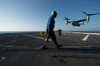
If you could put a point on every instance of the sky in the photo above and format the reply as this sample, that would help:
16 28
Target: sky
33 15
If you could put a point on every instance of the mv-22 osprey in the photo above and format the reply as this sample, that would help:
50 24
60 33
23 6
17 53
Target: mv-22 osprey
76 23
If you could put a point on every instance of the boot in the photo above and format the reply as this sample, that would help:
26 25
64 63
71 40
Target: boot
59 46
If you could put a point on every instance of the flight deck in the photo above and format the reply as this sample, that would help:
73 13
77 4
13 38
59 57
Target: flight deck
17 49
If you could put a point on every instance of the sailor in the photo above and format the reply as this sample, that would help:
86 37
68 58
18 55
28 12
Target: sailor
50 28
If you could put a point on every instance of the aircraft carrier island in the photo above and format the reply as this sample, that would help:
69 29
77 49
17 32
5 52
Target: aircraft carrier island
79 49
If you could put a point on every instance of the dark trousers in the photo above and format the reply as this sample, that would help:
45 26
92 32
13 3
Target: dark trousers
52 35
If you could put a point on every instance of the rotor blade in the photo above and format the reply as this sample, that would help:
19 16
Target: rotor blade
85 13
67 18
96 13
93 14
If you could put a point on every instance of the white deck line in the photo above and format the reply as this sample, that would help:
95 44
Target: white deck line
92 33
85 38
33 36
2 58
36 37
85 33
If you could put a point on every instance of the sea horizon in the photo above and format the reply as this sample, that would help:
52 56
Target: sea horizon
86 31
6 32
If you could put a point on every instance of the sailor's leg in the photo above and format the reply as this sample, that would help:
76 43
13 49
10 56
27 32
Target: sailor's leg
55 41
54 38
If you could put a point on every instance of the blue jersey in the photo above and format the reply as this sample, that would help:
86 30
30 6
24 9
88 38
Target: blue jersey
51 24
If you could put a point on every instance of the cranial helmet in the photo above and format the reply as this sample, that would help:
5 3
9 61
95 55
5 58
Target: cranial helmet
54 13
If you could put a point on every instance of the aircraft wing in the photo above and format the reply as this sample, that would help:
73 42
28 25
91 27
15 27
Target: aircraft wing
81 20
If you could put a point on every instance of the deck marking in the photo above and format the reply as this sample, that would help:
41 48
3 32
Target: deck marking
31 48
91 33
75 56
85 38
76 46
2 58
35 37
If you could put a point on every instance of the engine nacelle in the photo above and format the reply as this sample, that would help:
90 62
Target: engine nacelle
88 18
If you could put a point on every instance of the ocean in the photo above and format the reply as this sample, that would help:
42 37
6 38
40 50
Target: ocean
9 32
86 31
6 32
